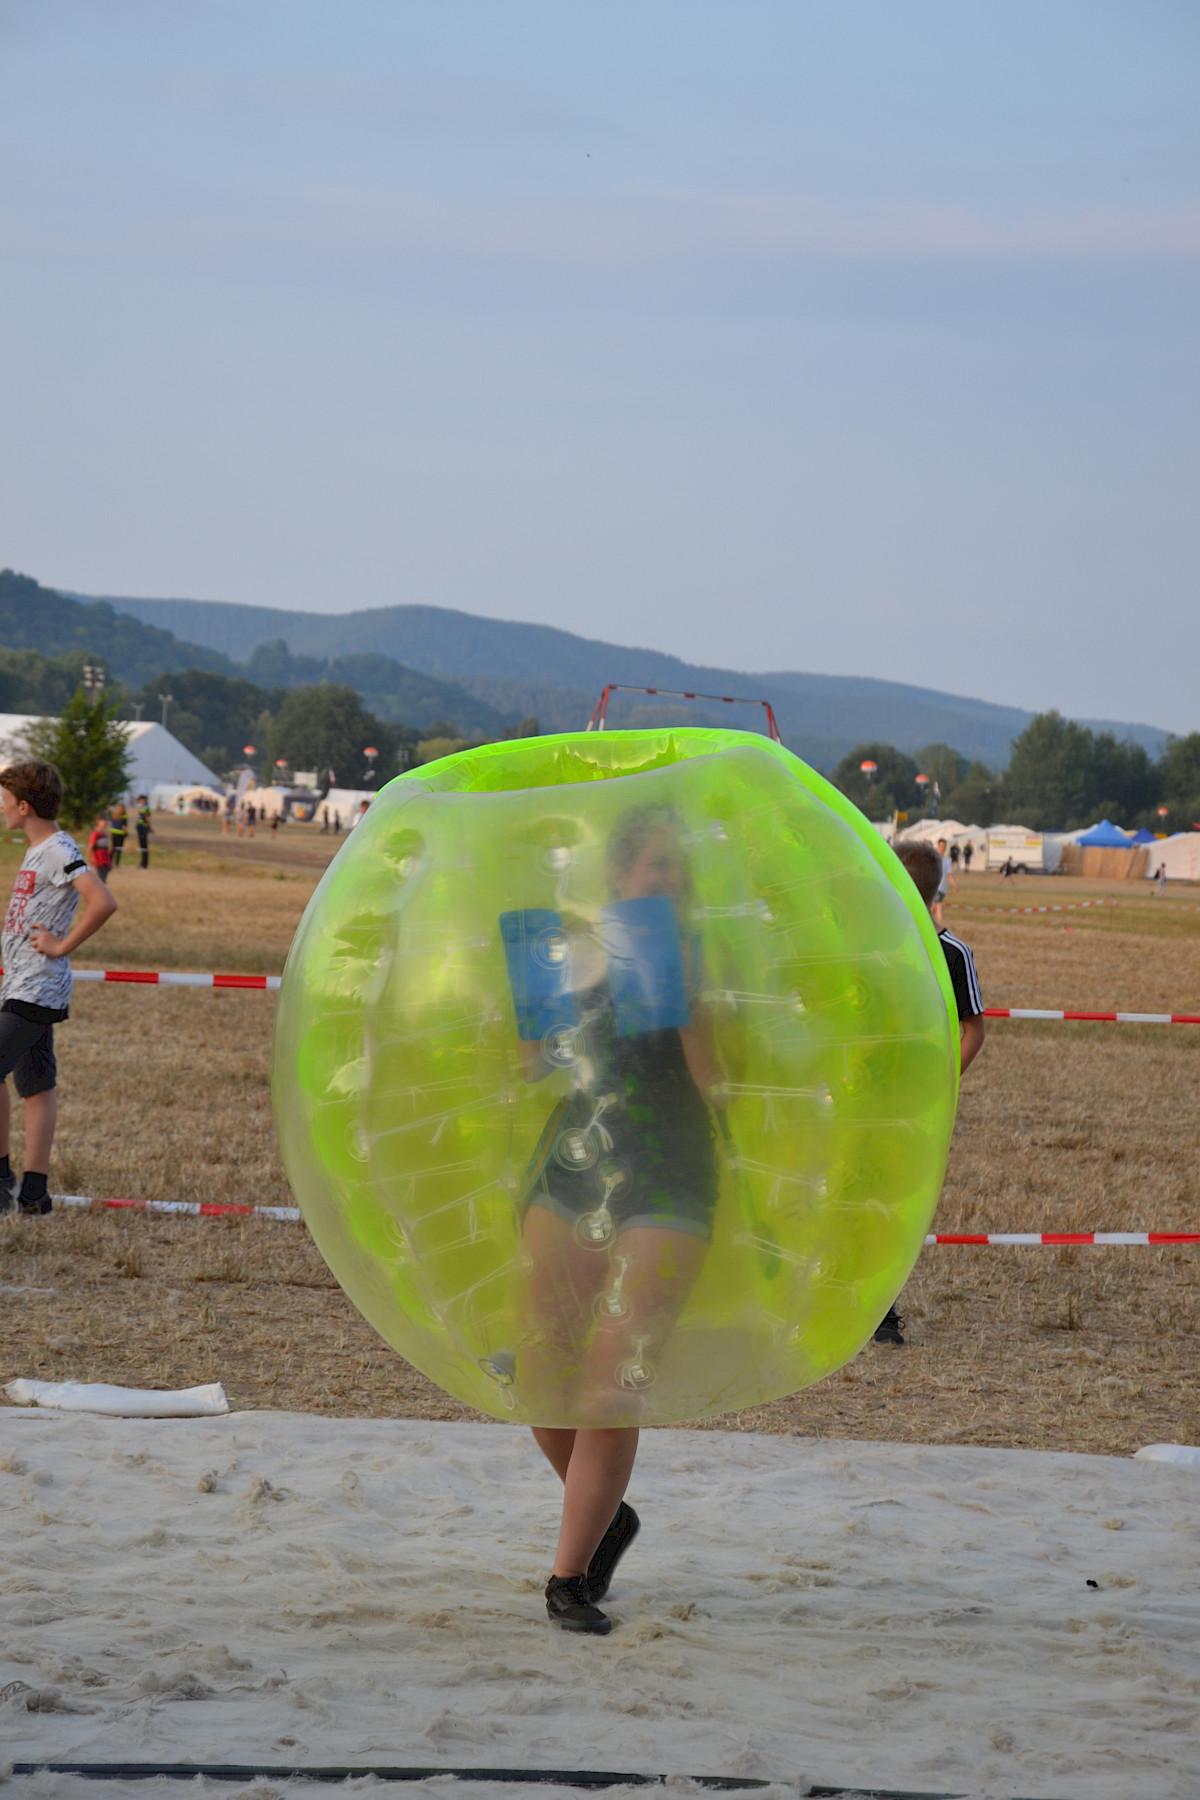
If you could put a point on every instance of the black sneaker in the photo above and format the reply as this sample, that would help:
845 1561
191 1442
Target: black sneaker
890 1328
611 1549
568 1605
37 1207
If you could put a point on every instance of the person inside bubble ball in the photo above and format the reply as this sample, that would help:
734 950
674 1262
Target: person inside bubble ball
620 1201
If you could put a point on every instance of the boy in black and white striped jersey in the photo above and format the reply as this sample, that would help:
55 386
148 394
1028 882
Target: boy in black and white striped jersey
924 865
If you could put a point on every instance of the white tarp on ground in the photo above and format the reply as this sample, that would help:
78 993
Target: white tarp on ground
206 1402
157 759
286 1589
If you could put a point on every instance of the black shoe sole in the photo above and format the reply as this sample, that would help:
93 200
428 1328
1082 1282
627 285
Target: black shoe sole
599 1630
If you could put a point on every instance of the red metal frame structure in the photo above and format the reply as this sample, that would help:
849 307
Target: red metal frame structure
600 711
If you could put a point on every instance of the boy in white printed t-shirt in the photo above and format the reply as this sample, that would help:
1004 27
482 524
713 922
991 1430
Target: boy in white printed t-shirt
40 931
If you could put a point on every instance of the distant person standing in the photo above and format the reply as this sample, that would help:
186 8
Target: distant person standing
324 818
227 815
954 855
100 848
144 828
947 878
251 816
337 822
968 853
1160 880
360 814
118 831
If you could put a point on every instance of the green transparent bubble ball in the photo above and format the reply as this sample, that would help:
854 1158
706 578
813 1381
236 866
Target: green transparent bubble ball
568 1212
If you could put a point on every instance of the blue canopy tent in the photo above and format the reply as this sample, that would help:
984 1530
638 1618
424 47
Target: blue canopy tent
1103 837
1142 837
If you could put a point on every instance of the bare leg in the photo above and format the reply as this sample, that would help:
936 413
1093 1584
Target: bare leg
555 1445
637 1289
594 1467
41 1116
565 1280
597 1476
654 1271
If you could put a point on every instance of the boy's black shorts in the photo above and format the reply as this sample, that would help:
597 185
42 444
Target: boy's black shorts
27 1046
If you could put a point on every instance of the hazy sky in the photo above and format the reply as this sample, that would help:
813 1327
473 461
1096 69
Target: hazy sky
846 335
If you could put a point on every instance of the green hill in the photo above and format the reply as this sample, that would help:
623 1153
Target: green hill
520 668
46 636
33 617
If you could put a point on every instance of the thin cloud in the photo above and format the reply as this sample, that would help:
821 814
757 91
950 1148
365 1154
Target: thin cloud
673 227
76 212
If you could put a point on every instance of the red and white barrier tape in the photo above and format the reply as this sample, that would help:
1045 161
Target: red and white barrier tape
1101 1018
271 982
172 978
175 978
195 1208
1064 1237
291 1214
1071 906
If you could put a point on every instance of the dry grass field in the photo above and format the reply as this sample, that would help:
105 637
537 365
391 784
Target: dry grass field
1085 1127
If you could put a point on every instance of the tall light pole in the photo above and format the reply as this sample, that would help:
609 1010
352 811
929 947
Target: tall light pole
370 753
166 699
93 681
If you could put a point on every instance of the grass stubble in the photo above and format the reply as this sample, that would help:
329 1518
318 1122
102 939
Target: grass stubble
165 1095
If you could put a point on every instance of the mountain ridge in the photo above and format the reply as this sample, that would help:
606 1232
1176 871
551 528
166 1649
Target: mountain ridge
822 716
53 623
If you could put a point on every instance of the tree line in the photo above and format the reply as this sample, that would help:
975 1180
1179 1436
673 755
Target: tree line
1061 776
227 721
325 725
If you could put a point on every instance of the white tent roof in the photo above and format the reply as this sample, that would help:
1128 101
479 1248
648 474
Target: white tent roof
158 757
928 831
347 801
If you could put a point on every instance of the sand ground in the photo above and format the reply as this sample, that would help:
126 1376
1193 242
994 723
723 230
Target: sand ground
279 1588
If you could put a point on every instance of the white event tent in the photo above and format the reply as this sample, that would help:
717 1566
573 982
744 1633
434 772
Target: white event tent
928 831
1180 853
158 758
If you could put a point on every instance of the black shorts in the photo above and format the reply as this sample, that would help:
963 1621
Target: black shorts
27 1046
631 1186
